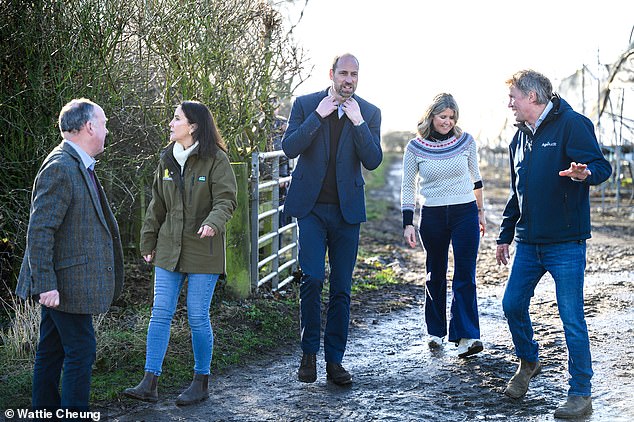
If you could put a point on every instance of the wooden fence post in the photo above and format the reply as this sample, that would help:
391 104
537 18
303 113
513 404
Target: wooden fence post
238 238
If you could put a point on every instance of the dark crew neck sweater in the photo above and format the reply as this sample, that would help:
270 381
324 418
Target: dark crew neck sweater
329 193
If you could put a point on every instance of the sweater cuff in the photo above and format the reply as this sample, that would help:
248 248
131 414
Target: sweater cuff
408 218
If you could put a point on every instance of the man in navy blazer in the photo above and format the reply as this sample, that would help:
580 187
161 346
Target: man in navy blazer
333 132
73 262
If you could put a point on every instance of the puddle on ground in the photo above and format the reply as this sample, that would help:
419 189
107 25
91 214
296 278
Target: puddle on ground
398 378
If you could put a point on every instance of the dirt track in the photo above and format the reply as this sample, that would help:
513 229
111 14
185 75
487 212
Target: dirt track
397 377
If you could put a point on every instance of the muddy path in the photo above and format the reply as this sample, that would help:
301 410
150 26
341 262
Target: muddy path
398 378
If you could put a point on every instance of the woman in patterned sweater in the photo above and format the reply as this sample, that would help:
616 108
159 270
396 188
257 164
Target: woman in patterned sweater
443 161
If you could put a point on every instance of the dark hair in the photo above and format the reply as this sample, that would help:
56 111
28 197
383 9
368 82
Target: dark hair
75 114
206 131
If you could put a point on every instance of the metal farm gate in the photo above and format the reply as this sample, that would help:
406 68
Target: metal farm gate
273 238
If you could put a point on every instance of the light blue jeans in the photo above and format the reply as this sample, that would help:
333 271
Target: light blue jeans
566 262
167 287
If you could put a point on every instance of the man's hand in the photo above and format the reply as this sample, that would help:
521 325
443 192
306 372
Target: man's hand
352 110
502 254
206 231
50 299
577 171
327 106
410 235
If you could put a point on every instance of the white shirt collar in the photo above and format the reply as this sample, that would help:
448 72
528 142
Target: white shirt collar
340 111
86 159
539 121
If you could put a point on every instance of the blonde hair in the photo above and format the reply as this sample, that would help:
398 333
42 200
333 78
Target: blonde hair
440 103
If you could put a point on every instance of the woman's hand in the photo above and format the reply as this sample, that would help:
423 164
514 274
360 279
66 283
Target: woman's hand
149 258
206 231
410 235
483 222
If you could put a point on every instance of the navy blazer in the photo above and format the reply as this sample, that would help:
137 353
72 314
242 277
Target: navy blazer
308 136
72 242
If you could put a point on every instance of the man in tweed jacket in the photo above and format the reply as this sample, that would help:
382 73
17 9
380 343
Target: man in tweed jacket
73 262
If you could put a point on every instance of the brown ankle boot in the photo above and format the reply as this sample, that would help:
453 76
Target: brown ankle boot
308 368
196 392
147 390
518 384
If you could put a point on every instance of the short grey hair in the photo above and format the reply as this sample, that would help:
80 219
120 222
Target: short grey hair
529 80
75 114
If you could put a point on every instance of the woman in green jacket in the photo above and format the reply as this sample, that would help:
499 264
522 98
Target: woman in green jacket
193 197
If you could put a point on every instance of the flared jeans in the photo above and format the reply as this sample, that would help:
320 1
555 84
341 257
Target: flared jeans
440 226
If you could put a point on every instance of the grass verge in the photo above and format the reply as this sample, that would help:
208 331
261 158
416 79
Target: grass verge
242 331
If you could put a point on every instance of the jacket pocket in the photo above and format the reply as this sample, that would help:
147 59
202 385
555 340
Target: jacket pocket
567 212
70 261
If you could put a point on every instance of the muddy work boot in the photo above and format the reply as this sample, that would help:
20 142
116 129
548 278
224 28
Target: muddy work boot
574 407
147 390
308 368
518 384
196 392
338 374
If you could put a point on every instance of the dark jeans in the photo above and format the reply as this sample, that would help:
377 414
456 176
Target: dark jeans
458 225
67 341
325 229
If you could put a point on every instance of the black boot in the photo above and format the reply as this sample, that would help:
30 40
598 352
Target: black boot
308 368
147 390
196 392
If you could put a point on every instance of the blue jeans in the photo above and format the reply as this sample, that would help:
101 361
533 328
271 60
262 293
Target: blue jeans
66 341
167 287
439 226
566 262
324 228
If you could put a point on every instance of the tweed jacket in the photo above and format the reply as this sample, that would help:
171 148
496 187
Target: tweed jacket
308 136
72 242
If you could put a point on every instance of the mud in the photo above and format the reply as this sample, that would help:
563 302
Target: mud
398 378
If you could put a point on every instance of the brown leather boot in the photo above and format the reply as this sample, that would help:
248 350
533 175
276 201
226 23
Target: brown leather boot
336 373
518 384
147 390
308 368
196 392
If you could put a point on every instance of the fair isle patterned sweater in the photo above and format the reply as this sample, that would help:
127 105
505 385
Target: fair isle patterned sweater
447 170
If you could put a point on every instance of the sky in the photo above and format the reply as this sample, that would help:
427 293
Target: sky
411 50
